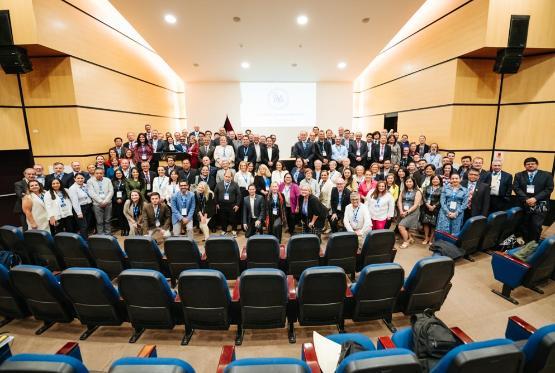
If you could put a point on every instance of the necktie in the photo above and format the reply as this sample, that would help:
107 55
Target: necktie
470 193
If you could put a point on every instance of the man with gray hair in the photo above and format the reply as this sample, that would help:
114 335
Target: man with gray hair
101 191
501 184
339 200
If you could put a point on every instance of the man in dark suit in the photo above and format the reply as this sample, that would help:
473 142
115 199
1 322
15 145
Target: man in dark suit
478 195
322 149
147 175
533 189
228 199
358 151
422 147
206 149
171 165
245 152
339 199
188 173
156 218
158 145
57 174
270 154
212 170
304 149
413 171
477 164
254 212
131 143
69 178
381 151
501 184
119 148
20 188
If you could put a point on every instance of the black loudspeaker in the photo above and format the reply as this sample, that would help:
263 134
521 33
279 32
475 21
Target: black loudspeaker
6 37
14 60
509 59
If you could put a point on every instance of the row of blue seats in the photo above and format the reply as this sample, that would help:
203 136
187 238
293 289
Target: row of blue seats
262 298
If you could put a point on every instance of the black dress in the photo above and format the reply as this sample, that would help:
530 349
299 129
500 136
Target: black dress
431 197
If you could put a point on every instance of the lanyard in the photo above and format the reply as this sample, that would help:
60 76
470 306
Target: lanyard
355 214
100 190
246 151
41 196
160 183
157 213
62 200
246 178
183 200
135 211
275 200
226 187
531 177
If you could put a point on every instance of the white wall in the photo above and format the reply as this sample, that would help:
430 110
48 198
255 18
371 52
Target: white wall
209 102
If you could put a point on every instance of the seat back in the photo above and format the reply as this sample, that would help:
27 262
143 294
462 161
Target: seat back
514 219
303 251
274 365
42 293
205 299
378 247
496 355
11 238
143 253
42 249
321 295
428 284
94 298
376 290
495 225
150 365
182 253
263 298
539 350
108 254
471 234
11 304
262 251
74 249
341 251
148 298
394 360
222 254
542 262
26 363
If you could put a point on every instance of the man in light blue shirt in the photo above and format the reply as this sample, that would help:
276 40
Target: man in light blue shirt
183 208
101 191
433 157
339 151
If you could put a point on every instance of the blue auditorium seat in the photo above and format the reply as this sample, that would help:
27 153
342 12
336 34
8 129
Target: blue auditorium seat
43 363
278 365
395 360
12 305
150 365
108 254
469 238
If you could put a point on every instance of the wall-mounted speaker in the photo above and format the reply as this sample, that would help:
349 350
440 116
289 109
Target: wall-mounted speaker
508 60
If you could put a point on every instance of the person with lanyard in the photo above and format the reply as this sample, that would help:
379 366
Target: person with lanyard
275 214
20 188
326 186
39 172
147 176
183 210
322 149
172 188
118 200
381 151
478 195
187 173
224 152
223 170
290 192
160 183
409 210
245 152
279 173
133 211
357 218
254 212
156 218
453 202
205 207
298 171
317 170
433 157
310 182
270 153
430 208
82 204
339 151
101 192
359 175
429 172
334 174
243 178
533 189
312 213
381 206
59 208
367 185
501 184
135 182
206 177
228 200
143 151
34 207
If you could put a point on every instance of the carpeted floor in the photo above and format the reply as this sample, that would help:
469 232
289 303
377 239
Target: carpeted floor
470 305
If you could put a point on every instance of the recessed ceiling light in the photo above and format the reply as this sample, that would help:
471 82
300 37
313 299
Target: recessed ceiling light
365 20
300 45
294 65
302 19
342 65
236 19
241 45
245 65
170 18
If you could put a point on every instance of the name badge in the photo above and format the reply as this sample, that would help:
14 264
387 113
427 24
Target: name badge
530 189
226 196
274 211
101 193
144 157
119 194
245 158
339 207
184 211
406 207
453 205
358 153
63 205
157 223
148 187
324 153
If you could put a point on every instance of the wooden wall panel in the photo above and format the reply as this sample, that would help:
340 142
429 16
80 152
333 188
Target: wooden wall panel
22 17
475 82
368 124
50 83
530 127
434 123
535 81
472 127
9 91
47 162
12 129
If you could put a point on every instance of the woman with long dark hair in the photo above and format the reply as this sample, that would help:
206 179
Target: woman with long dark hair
430 208
34 207
409 210
133 211
59 208
118 201
143 150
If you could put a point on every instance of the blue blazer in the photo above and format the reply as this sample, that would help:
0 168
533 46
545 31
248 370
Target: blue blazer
180 201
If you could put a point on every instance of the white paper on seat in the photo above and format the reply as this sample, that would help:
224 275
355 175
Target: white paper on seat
327 352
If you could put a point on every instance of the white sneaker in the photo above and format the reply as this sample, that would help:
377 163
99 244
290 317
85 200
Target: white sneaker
234 234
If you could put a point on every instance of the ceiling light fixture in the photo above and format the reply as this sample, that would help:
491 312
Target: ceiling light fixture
365 20
196 65
302 20
294 65
245 65
170 18
236 19
342 65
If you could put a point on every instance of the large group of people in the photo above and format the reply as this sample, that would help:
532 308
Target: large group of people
238 181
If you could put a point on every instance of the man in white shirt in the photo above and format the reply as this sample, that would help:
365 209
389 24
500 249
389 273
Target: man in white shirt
339 151
257 148
357 218
101 191
224 152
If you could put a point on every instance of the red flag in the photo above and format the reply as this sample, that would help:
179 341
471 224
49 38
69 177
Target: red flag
227 125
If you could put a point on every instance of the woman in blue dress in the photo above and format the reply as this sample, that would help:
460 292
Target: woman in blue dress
454 199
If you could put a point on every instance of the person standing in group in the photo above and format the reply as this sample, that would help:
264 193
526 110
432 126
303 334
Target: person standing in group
357 217
254 212
453 202
340 198
312 213
291 194
34 207
262 180
279 173
430 208
173 186
381 206
58 207
143 151
21 188
101 192
478 195
276 215
409 210
228 200
156 218
205 207
183 210
82 204
501 185
367 185
160 183
118 201
133 211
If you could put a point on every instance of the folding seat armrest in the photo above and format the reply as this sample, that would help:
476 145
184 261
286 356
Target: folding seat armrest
518 329
244 253
385 343
203 257
282 252
444 236
71 349
508 270
291 287
322 252
235 296
348 292
226 357
309 356
148 351
461 336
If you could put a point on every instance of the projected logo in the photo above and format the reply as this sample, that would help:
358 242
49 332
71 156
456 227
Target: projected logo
278 99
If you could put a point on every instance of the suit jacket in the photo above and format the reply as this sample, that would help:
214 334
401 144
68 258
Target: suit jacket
353 151
149 220
264 155
121 153
376 153
482 178
249 151
543 186
205 206
345 200
259 209
300 175
126 145
480 198
314 207
505 185
202 152
49 178
233 191
299 150
425 149
211 181
319 148
161 146
260 183
20 188
188 176
69 179
176 168
152 175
